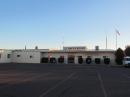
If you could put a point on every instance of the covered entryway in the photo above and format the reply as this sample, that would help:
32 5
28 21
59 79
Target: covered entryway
71 59
80 59
44 60
61 59
97 60
88 60
52 60
106 60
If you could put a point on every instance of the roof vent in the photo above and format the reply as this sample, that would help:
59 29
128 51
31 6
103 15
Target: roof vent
96 47
36 47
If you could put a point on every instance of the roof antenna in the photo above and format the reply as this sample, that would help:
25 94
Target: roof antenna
62 40
25 47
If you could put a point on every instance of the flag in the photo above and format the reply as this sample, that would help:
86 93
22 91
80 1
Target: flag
117 32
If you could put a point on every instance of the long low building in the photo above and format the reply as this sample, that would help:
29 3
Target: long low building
77 55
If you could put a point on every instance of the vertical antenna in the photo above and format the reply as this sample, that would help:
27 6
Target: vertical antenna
106 41
116 41
25 47
62 40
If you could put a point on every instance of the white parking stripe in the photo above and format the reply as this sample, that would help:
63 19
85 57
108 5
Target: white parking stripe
55 86
102 85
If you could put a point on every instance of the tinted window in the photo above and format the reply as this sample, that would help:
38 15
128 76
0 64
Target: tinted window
128 59
9 55
31 57
18 55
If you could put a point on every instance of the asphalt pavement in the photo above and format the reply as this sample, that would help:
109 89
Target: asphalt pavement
63 80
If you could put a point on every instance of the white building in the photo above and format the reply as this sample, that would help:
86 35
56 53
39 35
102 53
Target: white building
67 55
75 48
5 56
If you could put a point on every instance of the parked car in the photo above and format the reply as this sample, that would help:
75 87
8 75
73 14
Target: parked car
126 61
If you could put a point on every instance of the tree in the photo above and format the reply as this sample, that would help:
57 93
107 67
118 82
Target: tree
127 51
119 54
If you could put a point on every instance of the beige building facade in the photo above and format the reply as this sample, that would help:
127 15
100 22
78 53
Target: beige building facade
74 55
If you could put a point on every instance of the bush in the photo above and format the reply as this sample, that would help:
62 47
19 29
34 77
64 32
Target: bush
127 51
119 54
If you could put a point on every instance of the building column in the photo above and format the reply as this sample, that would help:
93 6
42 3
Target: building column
76 60
66 59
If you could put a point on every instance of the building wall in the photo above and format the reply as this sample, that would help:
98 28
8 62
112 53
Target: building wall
56 55
26 57
4 56
34 56
93 55
76 48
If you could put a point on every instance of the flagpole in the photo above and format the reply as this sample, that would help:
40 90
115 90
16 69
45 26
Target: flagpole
116 40
106 41
117 33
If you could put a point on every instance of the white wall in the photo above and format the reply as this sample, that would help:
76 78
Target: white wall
56 55
4 56
96 55
25 57
84 56
37 55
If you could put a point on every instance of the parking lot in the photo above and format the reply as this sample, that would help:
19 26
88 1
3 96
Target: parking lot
68 80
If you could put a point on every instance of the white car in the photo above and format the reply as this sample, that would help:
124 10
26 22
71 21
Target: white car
126 61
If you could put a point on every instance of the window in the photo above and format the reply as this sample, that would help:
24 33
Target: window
128 59
31 57
18 55
9 55
104 57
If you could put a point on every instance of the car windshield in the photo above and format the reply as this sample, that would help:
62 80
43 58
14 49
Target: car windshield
127 59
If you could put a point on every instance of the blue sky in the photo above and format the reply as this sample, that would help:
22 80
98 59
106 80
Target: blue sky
47 23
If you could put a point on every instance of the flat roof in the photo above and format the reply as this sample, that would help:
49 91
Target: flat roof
65 51
80 51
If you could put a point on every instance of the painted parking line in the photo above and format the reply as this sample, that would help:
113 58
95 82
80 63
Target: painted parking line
102 85
57 85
